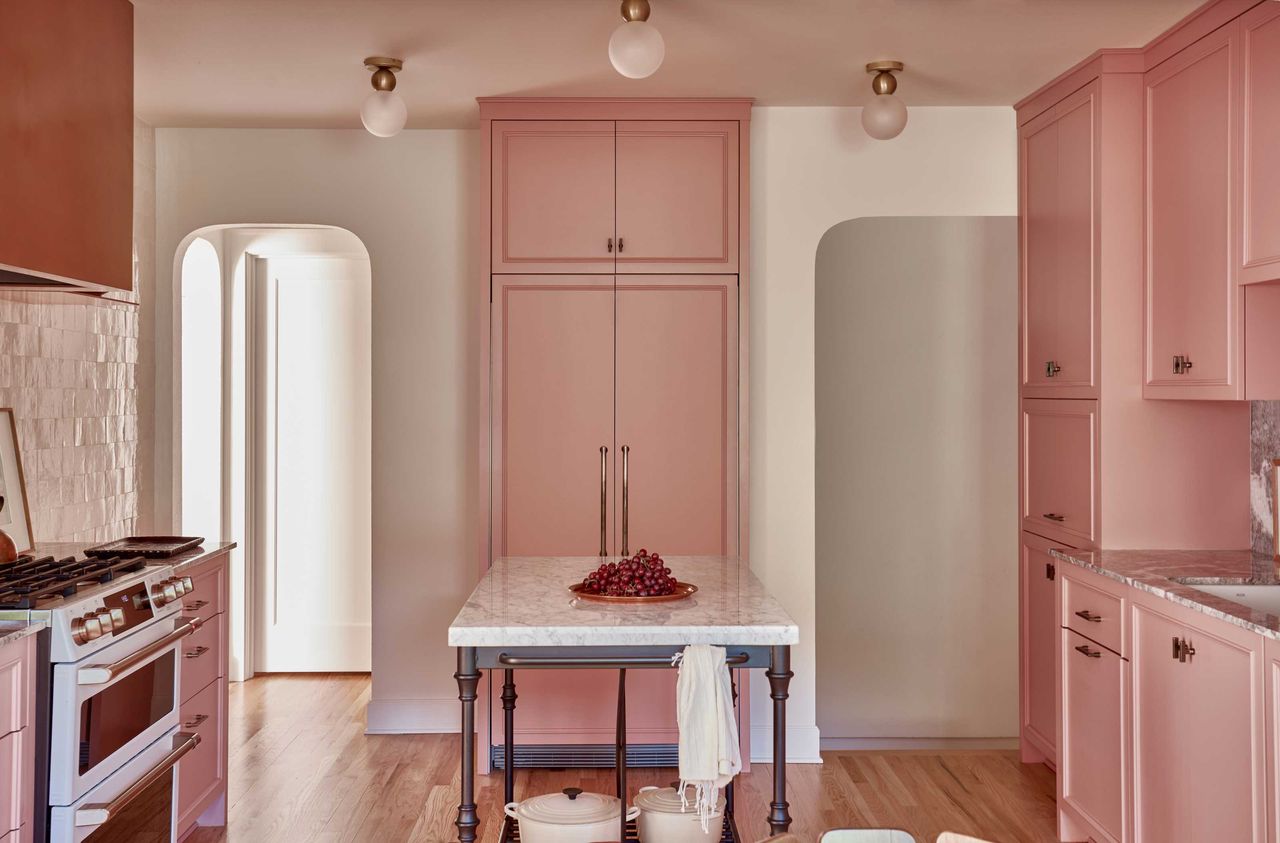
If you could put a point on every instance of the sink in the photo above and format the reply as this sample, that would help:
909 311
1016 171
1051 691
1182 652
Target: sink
1263 598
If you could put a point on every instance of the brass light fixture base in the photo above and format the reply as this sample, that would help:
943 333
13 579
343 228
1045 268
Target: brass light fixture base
884 82
634 10
384 71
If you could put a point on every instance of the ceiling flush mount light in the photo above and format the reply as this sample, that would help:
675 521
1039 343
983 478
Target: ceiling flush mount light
885 116
636 47
384 112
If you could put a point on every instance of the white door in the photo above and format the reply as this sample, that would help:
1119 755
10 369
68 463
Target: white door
313 437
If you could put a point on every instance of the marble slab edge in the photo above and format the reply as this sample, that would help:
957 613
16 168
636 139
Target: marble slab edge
1163 585
621 636
183 561
11 631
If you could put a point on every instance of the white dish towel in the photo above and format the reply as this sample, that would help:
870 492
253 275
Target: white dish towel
709 754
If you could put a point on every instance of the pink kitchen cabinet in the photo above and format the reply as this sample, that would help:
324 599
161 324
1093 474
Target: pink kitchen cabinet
1271 694
1038 641
677 196
1259 172
1059 469
1060 259
1199 754
17 735
1093 750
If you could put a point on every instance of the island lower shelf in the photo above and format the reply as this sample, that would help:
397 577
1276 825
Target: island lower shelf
728 834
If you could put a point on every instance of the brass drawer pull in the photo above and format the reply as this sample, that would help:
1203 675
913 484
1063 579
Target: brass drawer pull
195 722
1093 654
1053 516
1089 616
195 606
196 653
1051 368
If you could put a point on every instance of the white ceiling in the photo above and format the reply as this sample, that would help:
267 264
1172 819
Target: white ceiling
284 63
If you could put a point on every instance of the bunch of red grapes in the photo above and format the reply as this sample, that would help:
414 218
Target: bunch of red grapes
640 576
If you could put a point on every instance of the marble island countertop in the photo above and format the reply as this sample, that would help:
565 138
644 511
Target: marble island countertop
1174 575
526 602
11 631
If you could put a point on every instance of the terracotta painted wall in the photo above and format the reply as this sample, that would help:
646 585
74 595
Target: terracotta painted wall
69 367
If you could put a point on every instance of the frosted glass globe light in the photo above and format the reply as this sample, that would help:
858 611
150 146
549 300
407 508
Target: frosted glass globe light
884 117
636 49
384 113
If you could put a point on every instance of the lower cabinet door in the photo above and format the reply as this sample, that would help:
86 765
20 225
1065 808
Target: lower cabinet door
202 773
1198 736
1091 751
1039 628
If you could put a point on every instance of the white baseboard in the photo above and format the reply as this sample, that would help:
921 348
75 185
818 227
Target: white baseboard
888 744
413 717
803 745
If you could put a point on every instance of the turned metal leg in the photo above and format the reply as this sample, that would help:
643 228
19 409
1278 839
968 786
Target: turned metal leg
779 676
509 735
468 677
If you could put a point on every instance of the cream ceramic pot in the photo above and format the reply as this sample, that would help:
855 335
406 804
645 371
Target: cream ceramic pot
664 820
570 816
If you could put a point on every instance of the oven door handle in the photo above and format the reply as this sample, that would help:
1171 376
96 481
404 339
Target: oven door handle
100 813
101 674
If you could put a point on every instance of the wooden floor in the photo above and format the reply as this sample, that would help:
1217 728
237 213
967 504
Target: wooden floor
302 769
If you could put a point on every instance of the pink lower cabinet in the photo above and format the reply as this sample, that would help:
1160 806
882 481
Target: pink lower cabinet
202 774
1199 765
1037 637
17 738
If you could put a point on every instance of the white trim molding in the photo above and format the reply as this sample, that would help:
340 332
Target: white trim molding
803 744
886 744
440 716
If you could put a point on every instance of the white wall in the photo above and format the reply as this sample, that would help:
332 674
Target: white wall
917 481
812 168
408 199
412 201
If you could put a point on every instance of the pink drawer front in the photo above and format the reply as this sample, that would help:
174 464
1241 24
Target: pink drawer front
203 657
201 775
15 684
1091 775
1059 470
210 594
1094 608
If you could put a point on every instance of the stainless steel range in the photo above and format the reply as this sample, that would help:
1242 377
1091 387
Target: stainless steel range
109 692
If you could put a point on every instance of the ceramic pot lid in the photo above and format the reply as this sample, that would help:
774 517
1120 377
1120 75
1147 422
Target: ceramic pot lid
570 807
666 800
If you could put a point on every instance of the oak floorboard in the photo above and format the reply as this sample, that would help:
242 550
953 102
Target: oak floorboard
301 768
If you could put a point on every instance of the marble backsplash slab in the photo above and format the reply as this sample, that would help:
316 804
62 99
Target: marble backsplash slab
1264 447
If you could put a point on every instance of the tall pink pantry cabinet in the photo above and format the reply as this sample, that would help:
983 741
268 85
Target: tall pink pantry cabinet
614 396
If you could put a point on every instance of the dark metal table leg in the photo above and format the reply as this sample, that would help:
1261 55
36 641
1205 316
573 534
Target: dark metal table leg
620 748
509 735
728 789
779 675
468 677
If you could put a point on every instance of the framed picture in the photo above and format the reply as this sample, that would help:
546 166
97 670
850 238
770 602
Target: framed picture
15 518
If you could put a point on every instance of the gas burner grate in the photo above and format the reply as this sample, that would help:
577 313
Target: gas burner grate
33 580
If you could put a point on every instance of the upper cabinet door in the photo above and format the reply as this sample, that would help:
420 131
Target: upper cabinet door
1060 267
1191 301
677 197
1260 166
66 141
553 196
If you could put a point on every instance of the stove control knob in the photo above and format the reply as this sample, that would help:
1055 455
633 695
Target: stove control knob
188 584
117 618
179 586
170 593
158 597
86 629
104 620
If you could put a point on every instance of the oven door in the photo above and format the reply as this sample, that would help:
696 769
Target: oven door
111 705
134 804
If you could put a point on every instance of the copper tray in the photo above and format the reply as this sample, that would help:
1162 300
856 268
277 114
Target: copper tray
682 590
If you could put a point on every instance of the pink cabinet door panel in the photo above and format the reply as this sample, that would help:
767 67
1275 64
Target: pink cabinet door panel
1037 647
201 773
553 196
1190 288
553 371
1271 651
1198 727
1059 469
1262 342
677 412
1092 755
677 197
1060 272
16 661
1260 166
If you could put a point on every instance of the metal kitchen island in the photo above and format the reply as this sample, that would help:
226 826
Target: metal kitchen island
522 616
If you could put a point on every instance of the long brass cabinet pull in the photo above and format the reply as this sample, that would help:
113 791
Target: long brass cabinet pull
101 813
604 499
626 451
610 246
620 245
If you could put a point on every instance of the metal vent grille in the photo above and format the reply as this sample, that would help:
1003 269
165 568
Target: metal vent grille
541 756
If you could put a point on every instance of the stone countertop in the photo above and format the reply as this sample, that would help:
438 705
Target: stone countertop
11 631
1173 575
180 562
526 602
